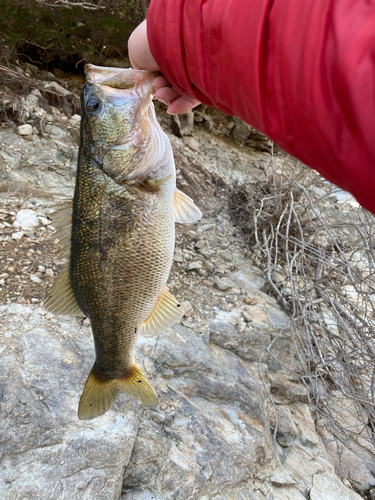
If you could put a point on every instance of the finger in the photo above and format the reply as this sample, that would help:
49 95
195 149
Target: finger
167 94
161 81
139 50
182 105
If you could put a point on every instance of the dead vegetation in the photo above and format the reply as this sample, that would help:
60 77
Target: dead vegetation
318 257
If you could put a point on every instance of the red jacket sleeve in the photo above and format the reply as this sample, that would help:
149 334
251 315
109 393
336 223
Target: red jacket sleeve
300 71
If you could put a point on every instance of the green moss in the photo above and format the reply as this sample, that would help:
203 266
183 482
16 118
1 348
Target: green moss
61 33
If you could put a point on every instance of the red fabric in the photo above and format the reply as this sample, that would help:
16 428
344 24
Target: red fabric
301 71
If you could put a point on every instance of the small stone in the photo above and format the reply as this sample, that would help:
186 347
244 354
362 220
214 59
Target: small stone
86 322
26 219
233 320
49 273
26 129
188 310
35 279
18 235
21 300
279 277
247 316
41 269
178 258
250 301
241 325
35 301
222 284
241 130
227 307
191 143
4 276
197 264
200 244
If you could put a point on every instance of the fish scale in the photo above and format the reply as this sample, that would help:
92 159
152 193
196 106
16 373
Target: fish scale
122 231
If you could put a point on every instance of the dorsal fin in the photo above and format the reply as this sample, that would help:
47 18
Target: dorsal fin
60 299
185 209
166 313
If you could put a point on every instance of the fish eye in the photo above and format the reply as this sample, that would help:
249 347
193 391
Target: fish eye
93 105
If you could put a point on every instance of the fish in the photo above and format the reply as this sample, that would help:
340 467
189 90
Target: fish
119 233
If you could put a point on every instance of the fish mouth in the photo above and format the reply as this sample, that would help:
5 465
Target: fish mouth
119 78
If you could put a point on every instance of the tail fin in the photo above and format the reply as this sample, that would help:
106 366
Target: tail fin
98 394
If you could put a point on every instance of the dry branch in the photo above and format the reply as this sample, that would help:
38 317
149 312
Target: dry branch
318 257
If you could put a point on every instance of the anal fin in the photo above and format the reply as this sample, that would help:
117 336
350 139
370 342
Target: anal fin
60 299
100 393
185 210
166 313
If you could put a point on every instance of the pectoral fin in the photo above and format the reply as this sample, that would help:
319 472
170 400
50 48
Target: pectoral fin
185 210
99 393
154 185
60 299
166 313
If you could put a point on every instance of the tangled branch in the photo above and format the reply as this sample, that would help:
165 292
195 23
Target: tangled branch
318 258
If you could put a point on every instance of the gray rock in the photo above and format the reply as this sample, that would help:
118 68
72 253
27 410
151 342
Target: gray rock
46 452
248 345
42 166
222 283
56 133
196 264
289 390
241 130
210 407
327 486
349 459
34 98
249 278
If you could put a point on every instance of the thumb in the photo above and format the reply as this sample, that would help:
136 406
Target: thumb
139 50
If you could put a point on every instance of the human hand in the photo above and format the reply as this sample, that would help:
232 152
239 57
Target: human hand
141 58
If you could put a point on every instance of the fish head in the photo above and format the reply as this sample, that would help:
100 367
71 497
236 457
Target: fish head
117 118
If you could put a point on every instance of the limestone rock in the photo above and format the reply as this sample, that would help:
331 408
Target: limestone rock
327 486
248 345
191 143
46 452
25 129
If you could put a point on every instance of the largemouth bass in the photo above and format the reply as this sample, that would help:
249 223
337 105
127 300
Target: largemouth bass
121 227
